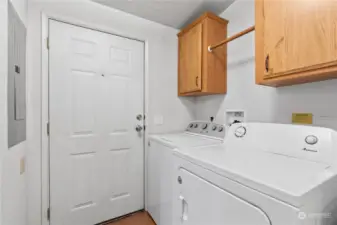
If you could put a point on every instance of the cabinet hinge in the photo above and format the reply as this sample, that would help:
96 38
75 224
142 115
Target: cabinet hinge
48 128
48 214
47 41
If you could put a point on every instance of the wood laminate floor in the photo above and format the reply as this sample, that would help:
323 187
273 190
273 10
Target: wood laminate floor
139 218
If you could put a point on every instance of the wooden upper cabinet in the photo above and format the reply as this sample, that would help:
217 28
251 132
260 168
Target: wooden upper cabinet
201 72
190 54
296 41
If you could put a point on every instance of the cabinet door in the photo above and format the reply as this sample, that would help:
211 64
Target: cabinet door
299 35
190 60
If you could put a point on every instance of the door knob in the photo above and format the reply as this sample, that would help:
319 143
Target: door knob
139 128
139 117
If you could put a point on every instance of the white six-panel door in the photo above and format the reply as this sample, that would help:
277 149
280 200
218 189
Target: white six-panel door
96 155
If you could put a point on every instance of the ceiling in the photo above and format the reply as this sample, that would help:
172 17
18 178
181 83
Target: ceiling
173 13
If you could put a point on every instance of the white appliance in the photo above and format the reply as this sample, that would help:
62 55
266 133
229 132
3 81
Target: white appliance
263 174
160 164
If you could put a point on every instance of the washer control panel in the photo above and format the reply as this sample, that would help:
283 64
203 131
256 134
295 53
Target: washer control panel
207 128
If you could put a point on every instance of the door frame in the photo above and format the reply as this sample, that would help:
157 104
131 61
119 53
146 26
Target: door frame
45 148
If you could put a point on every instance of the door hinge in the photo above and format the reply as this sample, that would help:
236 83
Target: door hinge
48 214
47 41
48 128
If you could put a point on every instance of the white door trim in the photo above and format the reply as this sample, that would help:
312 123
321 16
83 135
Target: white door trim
45 169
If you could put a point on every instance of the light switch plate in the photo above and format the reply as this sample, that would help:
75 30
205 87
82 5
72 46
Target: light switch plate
22 165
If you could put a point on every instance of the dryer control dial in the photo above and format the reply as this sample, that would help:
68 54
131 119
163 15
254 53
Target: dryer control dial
240 132
214 127
204 126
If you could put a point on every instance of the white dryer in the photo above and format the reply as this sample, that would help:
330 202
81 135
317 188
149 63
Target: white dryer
263 174
160 164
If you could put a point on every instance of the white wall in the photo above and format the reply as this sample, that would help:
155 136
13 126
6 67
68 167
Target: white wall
261 103
318 98
3 91
242 93
13 200
161 51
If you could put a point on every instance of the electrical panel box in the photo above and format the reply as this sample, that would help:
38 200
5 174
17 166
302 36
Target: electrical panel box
16 78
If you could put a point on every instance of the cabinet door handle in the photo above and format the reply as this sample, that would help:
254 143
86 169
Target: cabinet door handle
197 81
267 63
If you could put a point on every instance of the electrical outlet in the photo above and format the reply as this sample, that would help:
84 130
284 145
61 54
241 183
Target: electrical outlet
235 116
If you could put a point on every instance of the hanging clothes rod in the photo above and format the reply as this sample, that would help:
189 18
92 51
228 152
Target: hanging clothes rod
212 47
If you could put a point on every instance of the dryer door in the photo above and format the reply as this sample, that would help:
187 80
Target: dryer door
202 203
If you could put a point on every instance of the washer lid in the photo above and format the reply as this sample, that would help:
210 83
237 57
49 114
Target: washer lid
290 175
186 140
282 177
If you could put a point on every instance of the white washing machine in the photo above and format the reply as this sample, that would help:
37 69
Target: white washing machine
160 164
263 174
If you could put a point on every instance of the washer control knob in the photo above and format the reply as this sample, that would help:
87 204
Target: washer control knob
191 125
220 129
214 127
240 132
196 125
204 126
311 140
